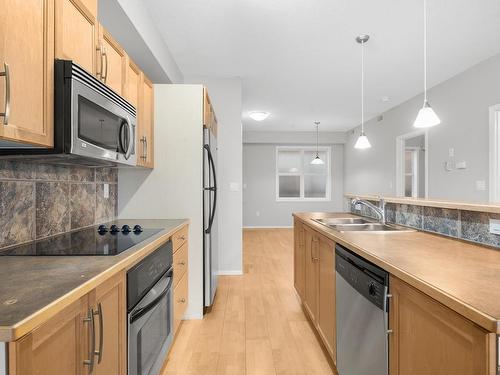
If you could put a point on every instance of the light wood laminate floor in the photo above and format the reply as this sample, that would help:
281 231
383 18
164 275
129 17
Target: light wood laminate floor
256 326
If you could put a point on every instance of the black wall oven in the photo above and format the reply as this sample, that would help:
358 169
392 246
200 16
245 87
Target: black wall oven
150 312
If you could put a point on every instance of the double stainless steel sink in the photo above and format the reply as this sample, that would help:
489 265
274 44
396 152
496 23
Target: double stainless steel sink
355 224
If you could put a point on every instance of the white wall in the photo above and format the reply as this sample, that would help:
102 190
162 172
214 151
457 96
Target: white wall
225 94
462 104
132 26
173 189
259 195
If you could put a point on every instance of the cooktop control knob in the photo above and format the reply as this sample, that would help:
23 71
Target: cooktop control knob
372 289
114 229
137 229
102 229
126 229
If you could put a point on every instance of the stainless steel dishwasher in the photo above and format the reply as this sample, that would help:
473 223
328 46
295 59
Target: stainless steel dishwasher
362 315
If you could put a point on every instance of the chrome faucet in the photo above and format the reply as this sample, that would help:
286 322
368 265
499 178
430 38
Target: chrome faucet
380 210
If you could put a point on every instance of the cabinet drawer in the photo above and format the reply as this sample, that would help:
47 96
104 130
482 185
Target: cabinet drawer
180 300
180 263
180 237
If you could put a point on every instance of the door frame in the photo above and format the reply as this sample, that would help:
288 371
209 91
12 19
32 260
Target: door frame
494 132
400 152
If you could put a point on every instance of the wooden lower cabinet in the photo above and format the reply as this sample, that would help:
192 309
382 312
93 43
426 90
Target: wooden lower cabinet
311 273
63 345
318 262
108 302
429 338
326 295
180 300
57 347
181 274
299 275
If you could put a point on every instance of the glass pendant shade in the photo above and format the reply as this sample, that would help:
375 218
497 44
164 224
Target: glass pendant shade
362 142
317 161
426 117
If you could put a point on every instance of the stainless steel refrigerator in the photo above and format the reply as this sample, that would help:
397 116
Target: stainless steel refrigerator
210 228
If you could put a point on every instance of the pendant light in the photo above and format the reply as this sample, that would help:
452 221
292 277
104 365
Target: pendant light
317 160
362 142
426 116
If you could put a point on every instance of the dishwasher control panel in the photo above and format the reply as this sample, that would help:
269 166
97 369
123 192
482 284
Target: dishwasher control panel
369 280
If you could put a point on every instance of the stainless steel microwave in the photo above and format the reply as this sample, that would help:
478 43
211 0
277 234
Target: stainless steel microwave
93 125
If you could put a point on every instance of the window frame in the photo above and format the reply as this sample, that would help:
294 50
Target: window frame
301 174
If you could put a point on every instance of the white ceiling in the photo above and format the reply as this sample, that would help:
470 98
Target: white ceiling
298 59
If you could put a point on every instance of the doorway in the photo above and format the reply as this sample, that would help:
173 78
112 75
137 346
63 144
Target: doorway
412 165
494 153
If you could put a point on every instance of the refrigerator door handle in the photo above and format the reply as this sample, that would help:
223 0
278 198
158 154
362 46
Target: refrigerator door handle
213 188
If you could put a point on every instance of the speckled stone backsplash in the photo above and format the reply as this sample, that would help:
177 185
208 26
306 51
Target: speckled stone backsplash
38 200
465 225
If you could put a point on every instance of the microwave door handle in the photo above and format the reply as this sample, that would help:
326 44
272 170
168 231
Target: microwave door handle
130 146
143 310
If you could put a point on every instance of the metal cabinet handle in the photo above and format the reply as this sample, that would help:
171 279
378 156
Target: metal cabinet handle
145 148
182 263
90 362
99 51
142 143
105 55
6 74
98 353
389 332
182 238
181 300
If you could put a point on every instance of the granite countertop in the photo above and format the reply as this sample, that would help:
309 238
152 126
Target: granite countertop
33 286
461 275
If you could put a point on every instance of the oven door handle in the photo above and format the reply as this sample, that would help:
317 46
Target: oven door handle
143 310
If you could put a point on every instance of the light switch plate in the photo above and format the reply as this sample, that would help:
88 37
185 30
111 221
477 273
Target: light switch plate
106 191
495 226
481 185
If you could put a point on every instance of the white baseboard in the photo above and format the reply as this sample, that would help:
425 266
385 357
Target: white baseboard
230 272
269 227
196 316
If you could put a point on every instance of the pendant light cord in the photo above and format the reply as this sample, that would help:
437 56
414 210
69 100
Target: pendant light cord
425 51
362 87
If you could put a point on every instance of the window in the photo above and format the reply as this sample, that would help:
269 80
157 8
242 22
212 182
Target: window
299 180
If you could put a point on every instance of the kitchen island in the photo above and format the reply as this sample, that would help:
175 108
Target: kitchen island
444 292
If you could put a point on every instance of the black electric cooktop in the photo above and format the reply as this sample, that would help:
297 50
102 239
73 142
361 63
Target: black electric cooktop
102 240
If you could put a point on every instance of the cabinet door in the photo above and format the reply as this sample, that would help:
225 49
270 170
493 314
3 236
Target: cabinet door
109 306
76 32
180 300
326 312
429 338
27 48
112 62
145 125
311 272
299 275
132 83
59 346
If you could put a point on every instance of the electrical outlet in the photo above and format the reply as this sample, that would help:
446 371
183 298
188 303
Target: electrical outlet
481 185
451 152
495 226
461 165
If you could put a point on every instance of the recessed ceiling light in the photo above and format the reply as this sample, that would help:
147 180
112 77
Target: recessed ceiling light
259 115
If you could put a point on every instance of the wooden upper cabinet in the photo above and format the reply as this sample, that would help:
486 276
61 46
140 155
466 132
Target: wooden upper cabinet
299 275
108 302
76 33
59 346
132 82
326 294
111 61
27 50
209 117
145 124
311 273
429 338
